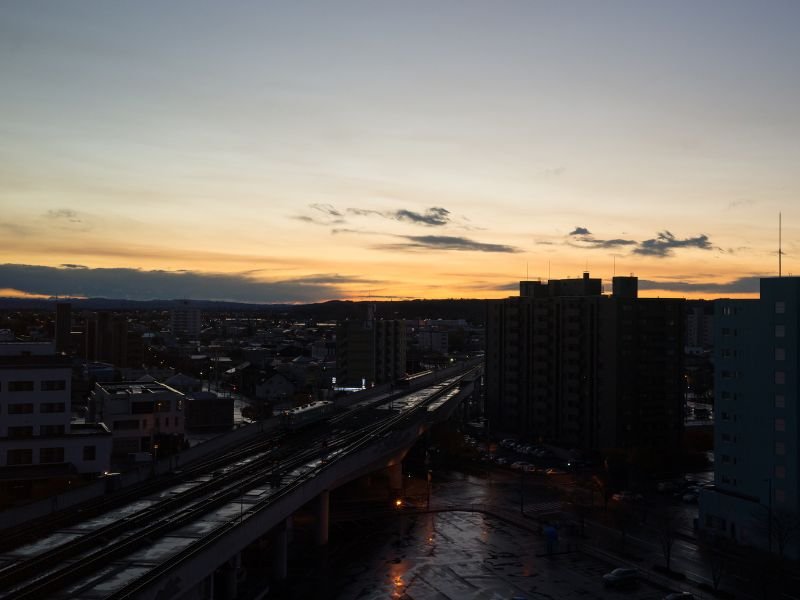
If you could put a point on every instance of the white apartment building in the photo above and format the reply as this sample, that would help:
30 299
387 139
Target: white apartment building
37 438
755 499
142 416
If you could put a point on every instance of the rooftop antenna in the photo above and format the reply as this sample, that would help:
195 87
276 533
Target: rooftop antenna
780 252
548 270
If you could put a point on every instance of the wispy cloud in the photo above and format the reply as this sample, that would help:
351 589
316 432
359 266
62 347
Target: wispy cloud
661 246
327 214
434 216
665 242
446 242
64 214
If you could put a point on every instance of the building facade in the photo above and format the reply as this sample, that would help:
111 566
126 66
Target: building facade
38 441
142 416
755 498
370 352
185 320
568 365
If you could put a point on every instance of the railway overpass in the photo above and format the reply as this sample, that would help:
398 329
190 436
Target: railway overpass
176 549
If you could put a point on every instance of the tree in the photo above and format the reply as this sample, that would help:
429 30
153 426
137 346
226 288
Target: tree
785 528
666 524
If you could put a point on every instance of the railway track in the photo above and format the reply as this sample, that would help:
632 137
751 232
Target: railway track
282 461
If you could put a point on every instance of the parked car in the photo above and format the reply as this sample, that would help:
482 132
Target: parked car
621 577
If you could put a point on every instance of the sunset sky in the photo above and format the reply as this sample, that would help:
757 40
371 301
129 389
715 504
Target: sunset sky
301 151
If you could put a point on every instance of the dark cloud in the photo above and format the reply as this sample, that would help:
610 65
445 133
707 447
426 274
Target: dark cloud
660 246
665 242
742 285
66 214
435 216
135 284
73 266
366 212
447 242
326 209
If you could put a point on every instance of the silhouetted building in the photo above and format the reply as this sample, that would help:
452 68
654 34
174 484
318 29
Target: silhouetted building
108 340
370 352
63 332
185 321
568 365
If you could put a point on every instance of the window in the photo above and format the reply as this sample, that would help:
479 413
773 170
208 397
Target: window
780 377
780 401
780 354
780 307
780 331
780 448
20 409
52 407
20 456
20 432
780 472
780 496
780 424
51 455
54 385
89 453
20 386
51 430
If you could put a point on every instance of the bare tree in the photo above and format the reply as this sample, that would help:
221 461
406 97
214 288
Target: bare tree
666 523
784 528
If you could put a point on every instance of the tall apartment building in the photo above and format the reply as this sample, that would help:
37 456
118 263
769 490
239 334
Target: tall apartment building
39 444
185 320
63 329
568 365
756 431
370 352
108 340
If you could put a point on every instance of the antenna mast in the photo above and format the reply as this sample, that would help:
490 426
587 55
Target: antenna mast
780 251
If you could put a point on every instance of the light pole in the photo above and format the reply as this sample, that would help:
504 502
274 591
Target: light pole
769 514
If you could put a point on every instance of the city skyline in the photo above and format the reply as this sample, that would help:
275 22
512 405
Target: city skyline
309 152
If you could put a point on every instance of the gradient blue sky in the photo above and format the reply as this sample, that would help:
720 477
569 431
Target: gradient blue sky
311 150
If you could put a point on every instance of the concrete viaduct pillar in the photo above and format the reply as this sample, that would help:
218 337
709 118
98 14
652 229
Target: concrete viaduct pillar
323 517
396 478
279 551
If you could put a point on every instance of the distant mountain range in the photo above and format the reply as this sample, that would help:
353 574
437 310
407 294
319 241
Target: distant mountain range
472 310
